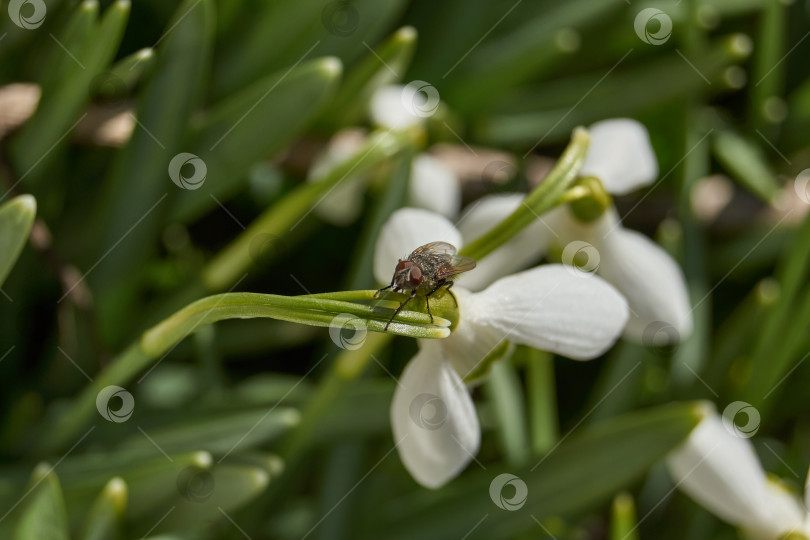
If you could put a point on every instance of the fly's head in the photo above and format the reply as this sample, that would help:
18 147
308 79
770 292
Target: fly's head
407 276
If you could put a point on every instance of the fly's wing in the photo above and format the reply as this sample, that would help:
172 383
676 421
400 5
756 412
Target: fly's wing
435 249
456 265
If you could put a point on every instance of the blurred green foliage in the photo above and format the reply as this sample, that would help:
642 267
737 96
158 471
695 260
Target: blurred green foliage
260 428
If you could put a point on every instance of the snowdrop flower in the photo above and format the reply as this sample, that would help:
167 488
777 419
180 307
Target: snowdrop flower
621 157
432 415
719 469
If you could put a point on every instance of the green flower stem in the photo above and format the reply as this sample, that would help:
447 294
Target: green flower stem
623 523
505 395
233 261
542 199
542 390
156 342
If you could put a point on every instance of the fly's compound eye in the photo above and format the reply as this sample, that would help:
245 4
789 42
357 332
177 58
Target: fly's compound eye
415 276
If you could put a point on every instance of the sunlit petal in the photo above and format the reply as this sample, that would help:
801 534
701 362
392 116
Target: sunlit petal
620 155
433 419
551 308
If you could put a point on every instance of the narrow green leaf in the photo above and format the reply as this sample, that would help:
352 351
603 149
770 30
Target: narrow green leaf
505 394
255 124
588 467
128 72
285 32
63 101
542 398
545 113
385 65
16 219
768 73
106 517
219 433
207 497
139 176
772 356
746 163
43 515
520 54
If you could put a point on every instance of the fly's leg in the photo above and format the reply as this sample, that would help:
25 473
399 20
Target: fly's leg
402 305
436 288
376 294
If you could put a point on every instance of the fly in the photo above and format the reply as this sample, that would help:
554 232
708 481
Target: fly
425 271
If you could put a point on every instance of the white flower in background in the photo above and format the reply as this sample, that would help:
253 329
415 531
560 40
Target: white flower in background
721 472
432 184
432 415
621 156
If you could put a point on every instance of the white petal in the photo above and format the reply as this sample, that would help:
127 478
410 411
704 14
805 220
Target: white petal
470 344
344 202
433 419
434 186
388 110
787 512
648 277
551 308
406 230
620 155
518 253
721 472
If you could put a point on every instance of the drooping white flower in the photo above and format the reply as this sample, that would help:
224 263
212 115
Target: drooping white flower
719 469
647 276
546 307
621 156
